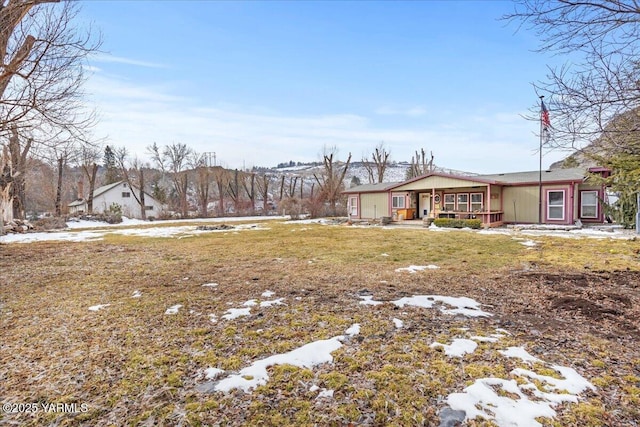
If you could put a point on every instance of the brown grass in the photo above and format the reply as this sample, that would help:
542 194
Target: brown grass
572 302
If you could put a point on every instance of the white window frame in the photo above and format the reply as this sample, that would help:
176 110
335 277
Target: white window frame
398 201
479 208
556 206
465 204
449 203
583 205
353 205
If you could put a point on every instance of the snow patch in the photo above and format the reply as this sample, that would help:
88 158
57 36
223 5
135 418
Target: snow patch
458 348
98 307
415 268
173 309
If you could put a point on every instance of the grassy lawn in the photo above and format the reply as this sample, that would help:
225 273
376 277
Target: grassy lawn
571 302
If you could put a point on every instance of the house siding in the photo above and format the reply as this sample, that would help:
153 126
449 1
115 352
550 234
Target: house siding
374 205
520 204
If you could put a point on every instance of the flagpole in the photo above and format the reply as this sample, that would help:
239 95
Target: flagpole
540 165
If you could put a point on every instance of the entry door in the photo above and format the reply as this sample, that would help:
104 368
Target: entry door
424 205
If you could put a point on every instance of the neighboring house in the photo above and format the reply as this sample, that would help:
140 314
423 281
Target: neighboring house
495 199
119 193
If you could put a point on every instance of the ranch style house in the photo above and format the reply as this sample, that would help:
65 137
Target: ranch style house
496 199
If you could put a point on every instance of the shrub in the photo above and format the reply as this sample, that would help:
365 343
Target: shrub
457 223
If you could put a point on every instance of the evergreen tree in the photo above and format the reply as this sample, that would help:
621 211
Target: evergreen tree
113 173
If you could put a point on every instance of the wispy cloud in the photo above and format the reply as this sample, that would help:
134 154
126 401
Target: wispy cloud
104 57
137 115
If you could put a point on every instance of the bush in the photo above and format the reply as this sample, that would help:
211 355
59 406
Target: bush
457 223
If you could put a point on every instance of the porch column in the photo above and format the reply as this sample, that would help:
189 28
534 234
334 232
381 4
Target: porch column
487 206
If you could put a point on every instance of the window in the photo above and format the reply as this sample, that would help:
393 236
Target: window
463 202
589 204
397 202
126 194
148 208
449 202
476 202
555 205
353 206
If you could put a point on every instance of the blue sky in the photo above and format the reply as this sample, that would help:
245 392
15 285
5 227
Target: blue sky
264 82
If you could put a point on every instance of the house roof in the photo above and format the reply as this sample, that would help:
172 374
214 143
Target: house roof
372 188
100 190
513 178
571 174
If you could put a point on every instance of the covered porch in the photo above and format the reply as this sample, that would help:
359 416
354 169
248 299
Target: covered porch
444 196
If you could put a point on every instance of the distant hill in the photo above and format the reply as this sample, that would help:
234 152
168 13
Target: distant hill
619 136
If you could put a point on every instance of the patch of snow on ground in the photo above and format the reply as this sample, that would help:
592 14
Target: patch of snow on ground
368 300
250 303
324 393
272 302
528 243
212 373
519 353
416 268
306 356
98 307
268 294
458 348
353 330
234 313
210 285
512 403
173 309
136 294
398 323
213 318
77 236
463 305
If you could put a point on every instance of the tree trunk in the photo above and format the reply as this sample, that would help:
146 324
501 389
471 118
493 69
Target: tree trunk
143 208
59 188
92 184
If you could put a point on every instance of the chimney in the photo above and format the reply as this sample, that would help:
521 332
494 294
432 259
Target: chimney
80 189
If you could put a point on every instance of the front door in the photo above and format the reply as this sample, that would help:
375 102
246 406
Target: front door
424 204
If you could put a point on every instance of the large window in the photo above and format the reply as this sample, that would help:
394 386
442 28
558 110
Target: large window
555 205
397 202
589 204
449 202
463 202
476 202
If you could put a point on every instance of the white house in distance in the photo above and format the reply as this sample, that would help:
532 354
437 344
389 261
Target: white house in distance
121 194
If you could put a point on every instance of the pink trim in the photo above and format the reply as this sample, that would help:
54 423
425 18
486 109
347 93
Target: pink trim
567 211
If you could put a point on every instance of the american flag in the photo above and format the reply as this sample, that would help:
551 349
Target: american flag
544 116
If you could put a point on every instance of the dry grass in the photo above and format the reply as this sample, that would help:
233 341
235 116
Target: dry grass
572 302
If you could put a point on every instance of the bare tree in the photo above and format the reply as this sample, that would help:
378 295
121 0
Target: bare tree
601 83
222 179
377 166
203 177
263 182
249 185
41 78
133 173
174 159
331 181
420 164
89 163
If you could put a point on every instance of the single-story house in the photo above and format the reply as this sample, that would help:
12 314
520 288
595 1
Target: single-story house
119 193
567 196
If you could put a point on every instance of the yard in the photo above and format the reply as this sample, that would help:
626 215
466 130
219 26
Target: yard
302 323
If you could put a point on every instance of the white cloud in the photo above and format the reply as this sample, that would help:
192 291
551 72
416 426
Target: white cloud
136 115
105 57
